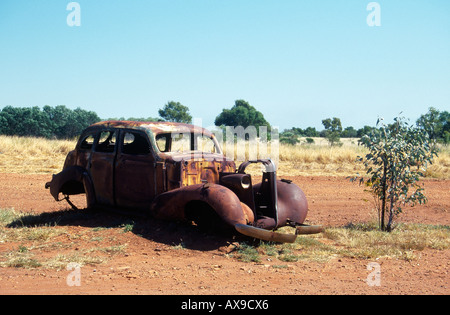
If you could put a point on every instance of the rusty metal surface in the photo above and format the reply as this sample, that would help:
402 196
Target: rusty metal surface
308 229
121 164
171 205
265 235
155 127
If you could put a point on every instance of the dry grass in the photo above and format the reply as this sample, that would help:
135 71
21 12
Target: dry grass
441 166
30 243
321 159
362 241
35 155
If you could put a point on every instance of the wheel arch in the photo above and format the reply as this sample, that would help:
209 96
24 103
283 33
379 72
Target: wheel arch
181 204
73 180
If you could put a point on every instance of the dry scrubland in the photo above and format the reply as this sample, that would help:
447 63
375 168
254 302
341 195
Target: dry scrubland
41 156
27 155
39 238
362 240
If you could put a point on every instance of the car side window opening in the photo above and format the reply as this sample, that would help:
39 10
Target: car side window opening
106 142
135 143
162 142
87 142
206 144
182 142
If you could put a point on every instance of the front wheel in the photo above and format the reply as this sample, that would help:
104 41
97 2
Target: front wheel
204 216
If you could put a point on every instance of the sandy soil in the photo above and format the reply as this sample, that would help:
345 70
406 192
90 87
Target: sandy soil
168 258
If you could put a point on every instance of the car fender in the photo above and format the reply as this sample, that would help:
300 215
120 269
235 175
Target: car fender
171 205
291 203
73 174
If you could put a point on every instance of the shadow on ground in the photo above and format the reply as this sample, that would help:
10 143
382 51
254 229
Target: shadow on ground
165 232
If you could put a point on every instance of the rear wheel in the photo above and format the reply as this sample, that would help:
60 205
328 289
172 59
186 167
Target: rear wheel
79 195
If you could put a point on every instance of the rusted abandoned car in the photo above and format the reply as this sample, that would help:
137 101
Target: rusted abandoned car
177 171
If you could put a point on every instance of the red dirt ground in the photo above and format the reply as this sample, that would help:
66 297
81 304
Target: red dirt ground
151 264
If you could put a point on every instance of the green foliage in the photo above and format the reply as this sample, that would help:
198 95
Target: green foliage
242 114
436 124
58 122
364 131
398 156
308 132
349 132
288 137
175 112
333 130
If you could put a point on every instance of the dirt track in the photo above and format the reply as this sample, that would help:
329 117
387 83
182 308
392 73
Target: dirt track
153 264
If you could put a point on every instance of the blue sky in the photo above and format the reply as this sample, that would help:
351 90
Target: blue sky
298 62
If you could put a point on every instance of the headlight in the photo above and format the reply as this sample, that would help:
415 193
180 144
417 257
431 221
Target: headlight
246 182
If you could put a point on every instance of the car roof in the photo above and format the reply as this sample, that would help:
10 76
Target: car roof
154 127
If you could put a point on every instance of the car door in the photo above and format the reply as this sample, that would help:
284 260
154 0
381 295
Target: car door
135 182
102 166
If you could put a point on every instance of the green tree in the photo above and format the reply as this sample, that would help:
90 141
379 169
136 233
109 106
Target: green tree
364 131
445 120
175 112
24 121
349 132
333 129
242 114
3 124
398 156
310 132
10 118
289 137
59 122
436 124
58 117
79 120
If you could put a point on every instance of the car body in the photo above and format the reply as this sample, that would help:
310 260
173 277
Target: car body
177 171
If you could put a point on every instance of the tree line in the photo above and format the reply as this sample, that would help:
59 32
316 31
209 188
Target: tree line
49 122
435 124
63 123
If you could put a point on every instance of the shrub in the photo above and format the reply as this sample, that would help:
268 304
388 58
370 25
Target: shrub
398 156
